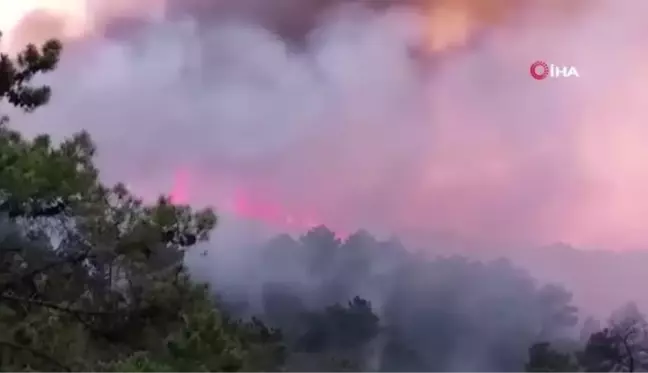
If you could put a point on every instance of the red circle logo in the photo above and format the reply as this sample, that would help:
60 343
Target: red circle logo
544 70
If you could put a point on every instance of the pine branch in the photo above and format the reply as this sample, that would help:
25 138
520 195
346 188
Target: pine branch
37 353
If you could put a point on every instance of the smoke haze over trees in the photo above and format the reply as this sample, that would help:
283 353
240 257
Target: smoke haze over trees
435 314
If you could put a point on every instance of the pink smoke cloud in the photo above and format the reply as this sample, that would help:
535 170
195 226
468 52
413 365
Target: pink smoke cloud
355 130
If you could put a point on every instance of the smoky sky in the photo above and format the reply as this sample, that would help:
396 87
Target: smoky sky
410 118
294 20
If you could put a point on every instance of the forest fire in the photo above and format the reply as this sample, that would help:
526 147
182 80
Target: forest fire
246 204
348 130
390 170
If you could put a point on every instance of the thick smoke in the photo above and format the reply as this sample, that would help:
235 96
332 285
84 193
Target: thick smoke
410 118
446 314
359 130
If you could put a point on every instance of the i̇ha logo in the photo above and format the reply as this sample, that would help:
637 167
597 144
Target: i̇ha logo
540 70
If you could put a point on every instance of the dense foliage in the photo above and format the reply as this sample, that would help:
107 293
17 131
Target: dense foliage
94 279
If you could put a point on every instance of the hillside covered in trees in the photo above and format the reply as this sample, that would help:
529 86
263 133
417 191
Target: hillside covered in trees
94 279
